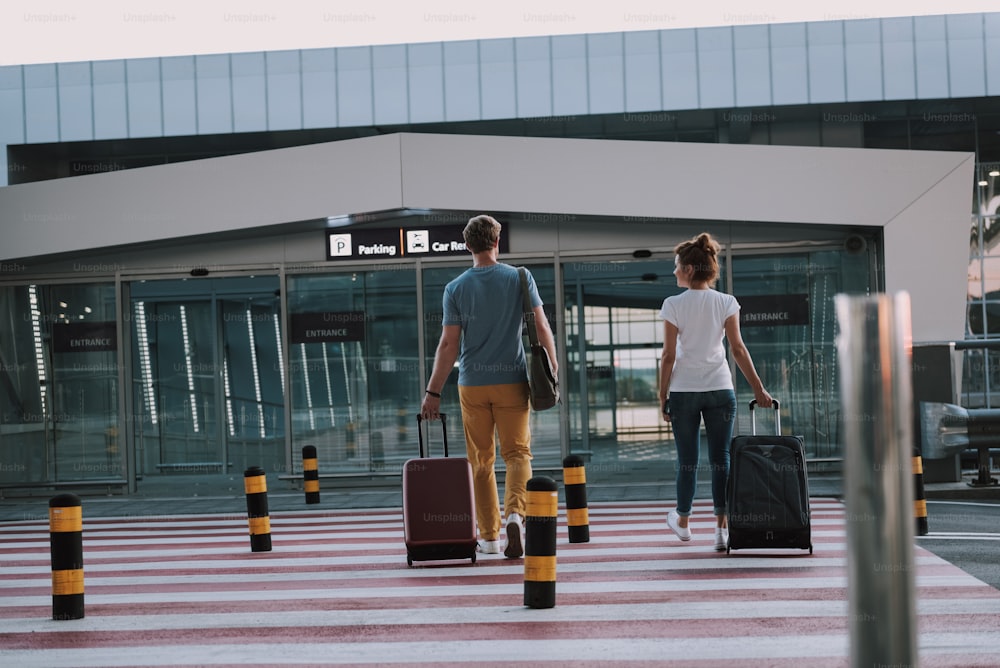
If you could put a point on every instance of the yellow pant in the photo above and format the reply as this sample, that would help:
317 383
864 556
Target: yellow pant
502 410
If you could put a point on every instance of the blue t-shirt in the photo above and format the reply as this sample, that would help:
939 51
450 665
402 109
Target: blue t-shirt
486 302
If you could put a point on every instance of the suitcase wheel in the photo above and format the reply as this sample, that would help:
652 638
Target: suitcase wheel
474 557
409 559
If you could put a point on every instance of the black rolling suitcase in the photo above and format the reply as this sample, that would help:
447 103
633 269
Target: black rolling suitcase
768 490
438 505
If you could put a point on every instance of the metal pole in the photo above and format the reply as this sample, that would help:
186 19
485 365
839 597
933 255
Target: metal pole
875 351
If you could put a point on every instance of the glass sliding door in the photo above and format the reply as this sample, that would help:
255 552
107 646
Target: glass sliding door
354 374
788 323
59 384
614 340
206 375
253 381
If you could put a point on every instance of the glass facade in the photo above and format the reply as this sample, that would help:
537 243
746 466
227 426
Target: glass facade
59 371
542 81
981 367
246 370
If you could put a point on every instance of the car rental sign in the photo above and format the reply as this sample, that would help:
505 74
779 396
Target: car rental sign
398 242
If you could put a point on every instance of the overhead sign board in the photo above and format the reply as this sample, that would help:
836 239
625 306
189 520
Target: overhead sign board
398 242
774 310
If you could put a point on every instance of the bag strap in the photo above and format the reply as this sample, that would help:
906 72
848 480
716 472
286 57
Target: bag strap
529 313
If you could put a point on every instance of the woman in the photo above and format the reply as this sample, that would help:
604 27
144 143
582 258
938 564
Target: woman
695 382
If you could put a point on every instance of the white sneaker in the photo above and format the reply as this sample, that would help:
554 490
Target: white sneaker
673 521
721 539
488 546
515 537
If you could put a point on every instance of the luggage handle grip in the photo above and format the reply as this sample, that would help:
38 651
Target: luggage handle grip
420 433
777 416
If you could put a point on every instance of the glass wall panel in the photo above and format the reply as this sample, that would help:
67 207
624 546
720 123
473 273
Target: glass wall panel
354 86
461 81
533 77
41 105
390 85
862 47
145 115
605 63
991 29
250 92
897 58
753 66
180 113
215 103
354 374
966 61
284 90
11 110
426 82
110 101
76 122
717 87
680 69
788 324
789 58
931 57
59 384
569 74
980 374
545 440
826 62
642 71
319 88
253 381
497 79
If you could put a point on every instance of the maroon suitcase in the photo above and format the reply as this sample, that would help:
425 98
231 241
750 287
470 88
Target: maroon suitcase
438 507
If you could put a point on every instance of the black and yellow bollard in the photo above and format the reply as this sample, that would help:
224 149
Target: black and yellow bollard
376 452
540 522
255 483
402 420
66 544
352 440
577 515
920 501
310 474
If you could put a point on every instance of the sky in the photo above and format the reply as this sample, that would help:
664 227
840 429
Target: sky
46 31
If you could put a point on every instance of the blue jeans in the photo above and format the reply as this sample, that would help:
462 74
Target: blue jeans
718 408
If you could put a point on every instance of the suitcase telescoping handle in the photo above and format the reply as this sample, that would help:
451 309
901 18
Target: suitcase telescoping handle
753 417
420 434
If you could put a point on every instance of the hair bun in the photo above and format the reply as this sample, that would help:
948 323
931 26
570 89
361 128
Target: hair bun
707 243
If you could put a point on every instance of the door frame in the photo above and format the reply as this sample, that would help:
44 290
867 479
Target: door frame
124 316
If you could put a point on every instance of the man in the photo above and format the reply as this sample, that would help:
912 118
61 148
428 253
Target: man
481 328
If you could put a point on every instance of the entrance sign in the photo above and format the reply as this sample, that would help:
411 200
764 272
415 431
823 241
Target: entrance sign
84 337
397 242
327 327
774 310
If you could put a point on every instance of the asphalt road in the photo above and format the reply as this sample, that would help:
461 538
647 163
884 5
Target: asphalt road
966 533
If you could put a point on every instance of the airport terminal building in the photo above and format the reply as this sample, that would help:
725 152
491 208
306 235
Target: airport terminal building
210 262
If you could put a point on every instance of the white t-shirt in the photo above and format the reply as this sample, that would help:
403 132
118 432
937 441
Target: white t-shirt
700 316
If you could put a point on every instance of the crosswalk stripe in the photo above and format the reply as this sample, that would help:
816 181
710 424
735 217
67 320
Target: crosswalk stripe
336 590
